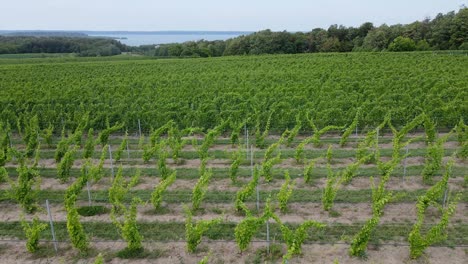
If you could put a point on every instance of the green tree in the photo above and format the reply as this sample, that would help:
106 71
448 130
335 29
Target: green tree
402 44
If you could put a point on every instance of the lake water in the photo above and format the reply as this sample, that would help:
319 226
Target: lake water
148 39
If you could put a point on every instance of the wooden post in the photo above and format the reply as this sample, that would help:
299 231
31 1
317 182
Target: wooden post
139 128
247 140
51 226
89 193
128 150
111 162
445 197
268 235
404 164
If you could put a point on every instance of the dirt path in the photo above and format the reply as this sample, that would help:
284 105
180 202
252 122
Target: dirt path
227 252
298 213
409 183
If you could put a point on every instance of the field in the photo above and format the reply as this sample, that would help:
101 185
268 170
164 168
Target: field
172 161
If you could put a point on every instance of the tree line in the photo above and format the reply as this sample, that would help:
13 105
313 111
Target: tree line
445 32
82 46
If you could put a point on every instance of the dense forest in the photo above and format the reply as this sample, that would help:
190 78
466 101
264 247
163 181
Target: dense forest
82 46
444 32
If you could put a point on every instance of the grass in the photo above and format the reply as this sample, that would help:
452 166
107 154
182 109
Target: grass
267 255
93 210
185 196
175 231
245 172
259 154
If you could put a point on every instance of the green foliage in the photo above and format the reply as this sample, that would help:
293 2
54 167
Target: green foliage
434 155
128 228
26 188
331 188
149 151
122 147
141 141
361 239
315 139
164 171
47 134
269 160
295 239
155 136
62 147
32 232
99 259
367 147
422 45
285 192
308 170
418 242
103 137
247 191
237 158
462 132
380 197
462 137
120 187
329 154
175 142
350 129
65 165
31 135
77 136
157 195
437 233
92 210
78 185
299 153
402 44
463 153
89 145
235 132
97 172
75 229
200 188
430 128
5 152
245 230
248 100
293 133
398 136
259 135
248 226
195 230
350 171
209 139
267 165
3 174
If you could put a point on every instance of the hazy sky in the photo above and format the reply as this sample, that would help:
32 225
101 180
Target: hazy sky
248 15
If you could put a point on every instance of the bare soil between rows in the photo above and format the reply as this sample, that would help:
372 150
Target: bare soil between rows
345 213
227 252
409 183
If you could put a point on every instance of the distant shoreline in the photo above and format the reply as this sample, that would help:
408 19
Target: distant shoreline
160 32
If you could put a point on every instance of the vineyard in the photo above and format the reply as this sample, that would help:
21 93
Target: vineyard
343 158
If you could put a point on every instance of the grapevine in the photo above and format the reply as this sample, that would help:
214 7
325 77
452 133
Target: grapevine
195 230
157 195
285 192
32 232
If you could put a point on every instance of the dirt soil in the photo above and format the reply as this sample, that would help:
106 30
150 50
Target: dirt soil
227 252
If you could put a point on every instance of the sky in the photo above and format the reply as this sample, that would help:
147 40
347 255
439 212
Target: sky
217 15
